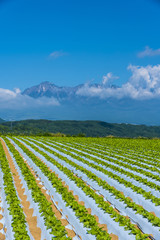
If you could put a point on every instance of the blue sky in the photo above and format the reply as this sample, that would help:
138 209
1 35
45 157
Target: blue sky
73 42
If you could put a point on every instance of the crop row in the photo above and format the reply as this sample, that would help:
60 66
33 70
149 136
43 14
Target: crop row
150 216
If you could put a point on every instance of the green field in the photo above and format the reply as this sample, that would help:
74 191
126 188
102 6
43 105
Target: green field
79 188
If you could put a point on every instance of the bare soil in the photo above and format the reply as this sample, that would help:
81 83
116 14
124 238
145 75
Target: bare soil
31 220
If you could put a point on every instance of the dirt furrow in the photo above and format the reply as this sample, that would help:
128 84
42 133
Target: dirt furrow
103 226
31 220
58 214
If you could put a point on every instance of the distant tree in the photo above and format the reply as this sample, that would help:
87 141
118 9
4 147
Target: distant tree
47 134
68 135
81 135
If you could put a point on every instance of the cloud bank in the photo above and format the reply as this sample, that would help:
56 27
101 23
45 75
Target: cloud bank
107 79
143 84
149 52
15 100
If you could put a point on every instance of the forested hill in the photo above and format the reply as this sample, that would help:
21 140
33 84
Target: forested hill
89 128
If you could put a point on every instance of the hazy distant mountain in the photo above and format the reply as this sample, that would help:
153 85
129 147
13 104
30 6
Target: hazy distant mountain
47 89
84 106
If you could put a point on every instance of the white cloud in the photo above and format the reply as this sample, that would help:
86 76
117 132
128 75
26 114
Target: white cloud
145 77
143 84
149 52
57 54
108 77
15 100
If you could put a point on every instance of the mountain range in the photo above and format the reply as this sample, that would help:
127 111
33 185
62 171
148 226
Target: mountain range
82 102
47 89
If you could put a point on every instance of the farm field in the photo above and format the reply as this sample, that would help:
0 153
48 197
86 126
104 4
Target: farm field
79 188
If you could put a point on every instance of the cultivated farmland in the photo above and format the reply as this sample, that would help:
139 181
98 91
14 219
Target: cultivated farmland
79 188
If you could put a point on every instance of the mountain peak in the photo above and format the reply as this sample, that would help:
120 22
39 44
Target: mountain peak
48 89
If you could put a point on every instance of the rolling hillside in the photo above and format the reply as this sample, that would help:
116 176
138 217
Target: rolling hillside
89 128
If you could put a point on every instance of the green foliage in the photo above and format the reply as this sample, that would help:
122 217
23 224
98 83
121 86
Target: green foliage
78 128
87 219
88 191
57 229
144 160
18 217
102 183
